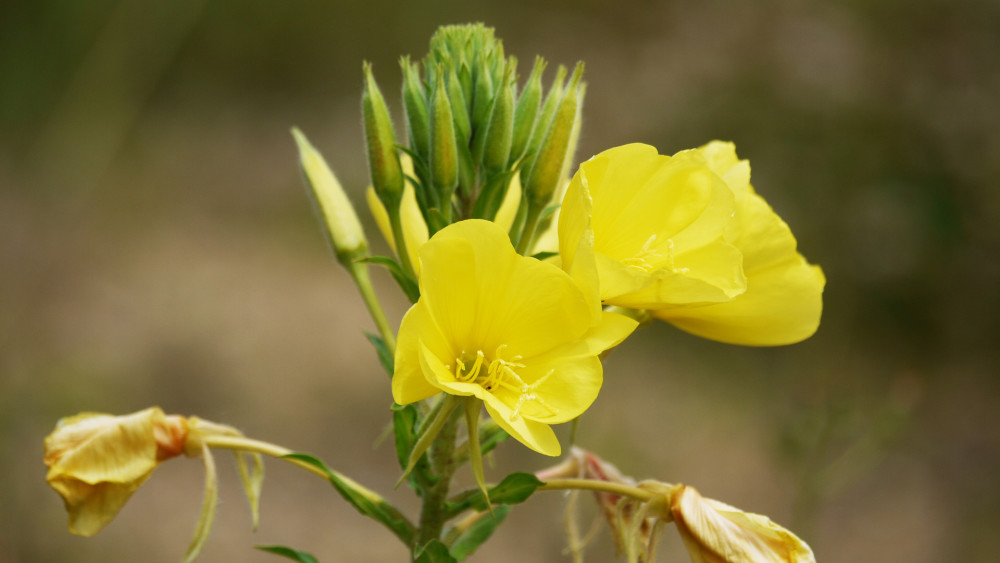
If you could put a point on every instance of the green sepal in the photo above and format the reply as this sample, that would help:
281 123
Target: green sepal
434 552
367 502
406 283
293 554
384 354
475 535
491 435
514 489
473 408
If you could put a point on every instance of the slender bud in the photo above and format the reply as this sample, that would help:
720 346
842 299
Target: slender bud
387 177
482 101
547 169
444 150
545 118
527 110
415 104
500 132
459 109
342 225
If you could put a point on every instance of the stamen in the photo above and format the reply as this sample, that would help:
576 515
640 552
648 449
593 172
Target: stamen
501 374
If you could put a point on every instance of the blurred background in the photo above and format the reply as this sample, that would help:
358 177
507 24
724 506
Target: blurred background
157 247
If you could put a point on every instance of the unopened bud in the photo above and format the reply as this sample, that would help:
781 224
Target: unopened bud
415 104
342 225
444 150
381 140
547 168
499 133
527 110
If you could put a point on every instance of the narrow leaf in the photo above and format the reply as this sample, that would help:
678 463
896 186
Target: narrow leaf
295 555
434 552
515 488
384 355
480 531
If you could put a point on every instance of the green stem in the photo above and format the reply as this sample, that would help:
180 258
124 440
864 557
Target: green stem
359 271
530 225
599 486
396 223
442 461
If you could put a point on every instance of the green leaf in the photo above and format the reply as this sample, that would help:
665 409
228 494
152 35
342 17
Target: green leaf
477 533
365 500
295 555
384 355
403 419
406 283
434 552
514 489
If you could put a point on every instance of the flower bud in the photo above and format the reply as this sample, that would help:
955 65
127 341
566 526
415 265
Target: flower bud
499 134
444 149
342 225
527 110
96 461
547 169
415 104
381 141
714 531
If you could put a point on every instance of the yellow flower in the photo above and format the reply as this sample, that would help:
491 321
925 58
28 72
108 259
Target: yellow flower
517 333
686 237
415 232
96 461
784 297
714 532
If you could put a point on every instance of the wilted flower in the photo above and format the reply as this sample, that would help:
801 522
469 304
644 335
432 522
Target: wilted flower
714 532
96 461
517 333
686 237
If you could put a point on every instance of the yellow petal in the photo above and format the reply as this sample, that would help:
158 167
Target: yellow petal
476 286
658 226
782 305
409 384
510 204
536 435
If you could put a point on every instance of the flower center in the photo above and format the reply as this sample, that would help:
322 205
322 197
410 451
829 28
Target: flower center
501 375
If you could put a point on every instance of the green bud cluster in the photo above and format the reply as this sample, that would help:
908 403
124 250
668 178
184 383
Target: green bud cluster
471 129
